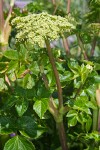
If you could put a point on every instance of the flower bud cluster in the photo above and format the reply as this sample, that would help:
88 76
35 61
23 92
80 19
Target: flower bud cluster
35 28
95 28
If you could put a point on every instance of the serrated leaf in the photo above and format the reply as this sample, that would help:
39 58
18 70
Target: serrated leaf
12 66
40 107
18 143
29 128
90 104
6 125
11 54
72 121
71 113
28 81
21 108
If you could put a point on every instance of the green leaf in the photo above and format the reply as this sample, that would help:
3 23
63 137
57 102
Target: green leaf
91 90
40 91
80 104
80 118
29 128
30 82
97 66
72 121
12 76
28 125
3 67
18 143
67 76
88 123
40 107
34 67
12 66
84 72
97 79
92 105
51 78
11 54
21 108
71 113
21 71
27 82
6 125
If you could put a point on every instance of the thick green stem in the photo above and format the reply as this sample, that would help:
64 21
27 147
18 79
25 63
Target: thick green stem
99 120
62 135
95 119
98 104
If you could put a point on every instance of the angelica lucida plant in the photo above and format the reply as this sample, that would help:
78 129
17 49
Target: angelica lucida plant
41 29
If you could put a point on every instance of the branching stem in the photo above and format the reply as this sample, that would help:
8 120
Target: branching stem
66 46
52 61
60 125
93 46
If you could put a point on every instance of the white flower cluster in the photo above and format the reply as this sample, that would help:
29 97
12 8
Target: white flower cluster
35 28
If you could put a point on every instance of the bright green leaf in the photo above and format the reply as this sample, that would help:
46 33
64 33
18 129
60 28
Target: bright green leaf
12 66
71 113
40 107
18 143
72 121
88 123
11 54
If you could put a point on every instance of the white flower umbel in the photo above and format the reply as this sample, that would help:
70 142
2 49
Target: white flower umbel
35 28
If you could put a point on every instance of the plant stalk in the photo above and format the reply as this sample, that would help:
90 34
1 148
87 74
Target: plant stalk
93 46
62 135
99 120
52 61
68 6
60 125
95 119
65 41
66 46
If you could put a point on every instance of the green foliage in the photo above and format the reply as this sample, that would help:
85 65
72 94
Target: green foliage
18 143
29 94
40 107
